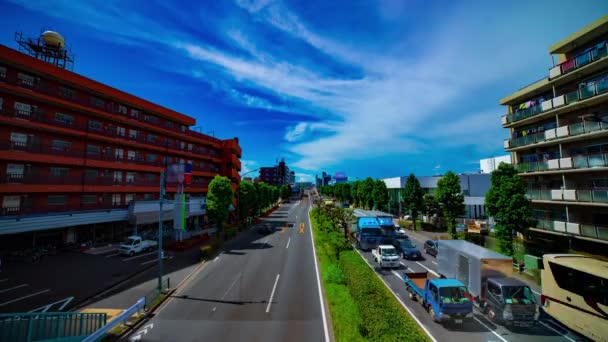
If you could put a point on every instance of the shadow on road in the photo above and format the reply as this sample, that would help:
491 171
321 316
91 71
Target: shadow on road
234 302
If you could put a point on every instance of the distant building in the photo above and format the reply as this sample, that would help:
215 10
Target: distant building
473 185
340 177
490 164
278 175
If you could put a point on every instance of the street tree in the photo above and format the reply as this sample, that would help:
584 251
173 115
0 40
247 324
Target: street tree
380 195
285 192
430 205
219 198
346 193
365 193
354 193
451 199
413 197
506 201
247 200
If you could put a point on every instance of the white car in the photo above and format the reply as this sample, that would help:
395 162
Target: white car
386 256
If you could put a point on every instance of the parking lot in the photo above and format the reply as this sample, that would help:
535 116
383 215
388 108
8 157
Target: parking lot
59 282
481 329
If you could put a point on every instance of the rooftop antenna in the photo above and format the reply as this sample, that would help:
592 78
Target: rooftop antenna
49 47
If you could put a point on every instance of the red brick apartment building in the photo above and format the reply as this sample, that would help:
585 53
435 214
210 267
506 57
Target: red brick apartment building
79 159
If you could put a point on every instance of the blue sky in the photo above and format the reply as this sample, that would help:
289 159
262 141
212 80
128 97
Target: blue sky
370 88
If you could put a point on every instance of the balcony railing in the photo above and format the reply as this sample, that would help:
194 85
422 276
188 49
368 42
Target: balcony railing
198 185
532 166
590 161
580 60
119 159
589 91
598 196
39 149
576 162
560 132
536 195
590 230
43 209
18 178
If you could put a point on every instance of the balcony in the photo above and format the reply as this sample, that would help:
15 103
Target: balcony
38 116
39 149
569 163
557 133
578 61
593 231
203 137
45 209
584 93
119 159
568 195
206 168
17 178
538 195
198 185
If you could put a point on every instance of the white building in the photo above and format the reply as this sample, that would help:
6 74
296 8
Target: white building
490 164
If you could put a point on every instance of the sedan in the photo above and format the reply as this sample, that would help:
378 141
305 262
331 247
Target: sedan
407 249
430 247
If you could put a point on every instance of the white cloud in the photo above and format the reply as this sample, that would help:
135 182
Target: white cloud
304 177
248 166
299 131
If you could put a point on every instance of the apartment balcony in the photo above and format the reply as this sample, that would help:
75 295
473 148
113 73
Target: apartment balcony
571 164
47 209
206 168
579 61
17 178
38 116
590 128
198 185
203 137
588 230
119 159
39 149
585 94
568 195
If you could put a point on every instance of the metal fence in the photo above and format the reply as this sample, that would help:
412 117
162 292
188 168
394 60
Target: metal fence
49 326
151 296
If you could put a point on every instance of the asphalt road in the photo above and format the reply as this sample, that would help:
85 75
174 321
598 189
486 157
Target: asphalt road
481 329
263 288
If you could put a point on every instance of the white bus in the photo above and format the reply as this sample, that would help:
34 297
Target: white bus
575 293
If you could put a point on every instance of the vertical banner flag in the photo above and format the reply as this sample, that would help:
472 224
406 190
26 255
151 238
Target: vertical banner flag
188 173
183 212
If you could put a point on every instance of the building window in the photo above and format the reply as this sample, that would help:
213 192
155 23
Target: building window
151 157
148 197
130 177
183 128
23 108
151 138
19 138
131 155
117 199
57 199
119 153
2 72
11 201
93 149
150 177
1 103
89 199
133 134
182 145
190 147
91 173
60 171
134 113
15 169
67 93
61 145
122 109
120 131
169 124
118 176
97 102
26 80
64 118
96 125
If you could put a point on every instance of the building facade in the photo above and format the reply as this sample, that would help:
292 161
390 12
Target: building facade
474 187
77 154
490 164
558 139
278 175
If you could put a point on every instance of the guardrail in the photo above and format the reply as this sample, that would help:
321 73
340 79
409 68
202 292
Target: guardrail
122 318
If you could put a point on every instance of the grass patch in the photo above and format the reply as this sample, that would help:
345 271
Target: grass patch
361 307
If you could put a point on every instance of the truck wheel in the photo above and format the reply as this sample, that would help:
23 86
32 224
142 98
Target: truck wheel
131 253
411 295
432 313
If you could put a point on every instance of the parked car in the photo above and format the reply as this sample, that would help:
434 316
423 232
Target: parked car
460 227
430 247
135 244
407 249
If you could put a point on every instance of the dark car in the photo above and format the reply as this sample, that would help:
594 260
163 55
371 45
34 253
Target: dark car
430 247
407 249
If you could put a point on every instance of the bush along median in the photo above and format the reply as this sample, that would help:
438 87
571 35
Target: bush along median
361 307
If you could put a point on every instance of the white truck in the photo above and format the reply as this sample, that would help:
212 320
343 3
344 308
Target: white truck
386 256
135 244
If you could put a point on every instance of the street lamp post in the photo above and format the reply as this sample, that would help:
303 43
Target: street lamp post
160 231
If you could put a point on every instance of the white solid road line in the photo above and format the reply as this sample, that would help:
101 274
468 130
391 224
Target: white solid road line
112 255
288 241
434 262
399 299
24 297
231 285
314 256
12 288
148 262
492 331
139 256
397 275
557 331
428 269
216 258
272 293
403 264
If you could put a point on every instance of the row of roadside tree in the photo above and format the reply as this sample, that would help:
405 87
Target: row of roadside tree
506 201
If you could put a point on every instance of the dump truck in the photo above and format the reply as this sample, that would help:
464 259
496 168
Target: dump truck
488 277
446 300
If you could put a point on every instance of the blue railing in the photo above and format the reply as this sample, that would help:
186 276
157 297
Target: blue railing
48 326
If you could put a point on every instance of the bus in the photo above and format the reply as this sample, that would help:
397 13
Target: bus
575 293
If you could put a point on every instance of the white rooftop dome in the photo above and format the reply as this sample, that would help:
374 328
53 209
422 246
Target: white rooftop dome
53 38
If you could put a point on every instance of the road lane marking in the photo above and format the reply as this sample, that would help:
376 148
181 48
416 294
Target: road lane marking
272 293
48 306
288 241
314 256
139 256
147 262
402 264
428 269
557 331
12 288
112 255
490 330
231 285
216 258
434 262
397 275
24 297
399 299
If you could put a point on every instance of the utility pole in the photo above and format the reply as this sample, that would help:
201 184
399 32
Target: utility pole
160 231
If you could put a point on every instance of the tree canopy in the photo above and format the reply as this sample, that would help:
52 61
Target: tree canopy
451 200
413 197
219 197
380 195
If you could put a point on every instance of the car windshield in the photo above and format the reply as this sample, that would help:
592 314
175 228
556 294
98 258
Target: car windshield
518 295
371 232
128 241
406 244
389 251
454 295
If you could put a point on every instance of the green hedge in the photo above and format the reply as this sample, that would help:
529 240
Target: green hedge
361 307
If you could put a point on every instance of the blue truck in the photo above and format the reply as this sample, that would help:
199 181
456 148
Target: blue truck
446 300
369 234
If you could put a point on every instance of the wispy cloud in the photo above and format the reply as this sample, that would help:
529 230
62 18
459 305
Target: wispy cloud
247 166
